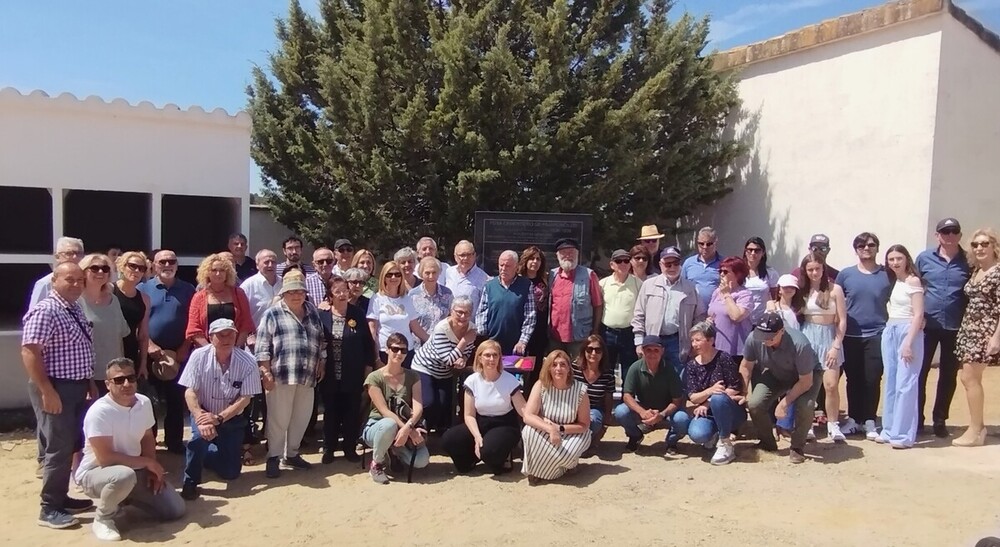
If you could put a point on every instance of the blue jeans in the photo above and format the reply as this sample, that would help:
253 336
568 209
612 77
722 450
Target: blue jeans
725 416
677 424
620 345
596 422
672 354
223 454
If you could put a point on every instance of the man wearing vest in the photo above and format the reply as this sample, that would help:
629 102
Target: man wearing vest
507 308
576 300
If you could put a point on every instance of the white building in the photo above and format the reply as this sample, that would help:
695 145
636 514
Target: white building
885 120
136 176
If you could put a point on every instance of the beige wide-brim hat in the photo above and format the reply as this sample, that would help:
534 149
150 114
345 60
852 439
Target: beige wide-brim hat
291 285
650 231
165 366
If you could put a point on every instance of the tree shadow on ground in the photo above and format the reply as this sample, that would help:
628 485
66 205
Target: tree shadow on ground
138 527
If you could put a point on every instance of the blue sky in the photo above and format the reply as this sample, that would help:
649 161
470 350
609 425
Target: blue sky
191 52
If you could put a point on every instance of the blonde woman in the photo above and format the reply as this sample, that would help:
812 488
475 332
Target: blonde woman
103 312
218 298
391 310
132 267
979 336
493 402
556 421
365 260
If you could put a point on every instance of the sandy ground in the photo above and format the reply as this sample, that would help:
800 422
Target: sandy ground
859 493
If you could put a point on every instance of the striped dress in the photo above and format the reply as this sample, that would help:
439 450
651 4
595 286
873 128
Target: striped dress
543 460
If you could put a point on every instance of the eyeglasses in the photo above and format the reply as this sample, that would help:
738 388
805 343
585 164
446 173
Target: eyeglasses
120 380
167 262
622 260
867 246
949 232
754 250
706 243
672 264
978 244
324 261
355 282
346 249
99 269
394 274
640 259
397 349
592 349
141 268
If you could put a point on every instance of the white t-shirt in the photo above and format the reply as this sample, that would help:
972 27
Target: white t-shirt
760 292
393 315
492 398
125 425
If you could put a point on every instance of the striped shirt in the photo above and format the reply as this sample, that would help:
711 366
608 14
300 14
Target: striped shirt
316 288
292 346
216 389
597 391
65 335
305 268
438 355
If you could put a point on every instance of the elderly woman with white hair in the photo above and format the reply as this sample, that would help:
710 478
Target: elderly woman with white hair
406 259
449 346
432 299
357 280
104 313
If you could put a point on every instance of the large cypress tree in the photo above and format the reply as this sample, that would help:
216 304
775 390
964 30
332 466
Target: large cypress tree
385 119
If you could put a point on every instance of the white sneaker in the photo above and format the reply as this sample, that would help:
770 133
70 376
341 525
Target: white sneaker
850 427
871 432
810 435
834 433
105 530
724 453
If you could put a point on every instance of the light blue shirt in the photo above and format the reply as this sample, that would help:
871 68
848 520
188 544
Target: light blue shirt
470 284
704 275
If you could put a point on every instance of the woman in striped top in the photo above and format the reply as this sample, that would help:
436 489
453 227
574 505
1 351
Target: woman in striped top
590 369
448 348
557 421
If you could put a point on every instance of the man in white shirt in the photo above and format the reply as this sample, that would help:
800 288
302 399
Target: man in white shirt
119 457
465 278
68 249
262 286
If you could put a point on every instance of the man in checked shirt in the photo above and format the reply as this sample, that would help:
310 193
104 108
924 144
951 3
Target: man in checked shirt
58 354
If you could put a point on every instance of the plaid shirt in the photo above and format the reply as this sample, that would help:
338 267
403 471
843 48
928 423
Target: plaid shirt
65 335
293 347
316 288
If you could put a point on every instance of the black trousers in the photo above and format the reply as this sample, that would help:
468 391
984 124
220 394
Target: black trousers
947 372
341 415
500 436
171 396
863 368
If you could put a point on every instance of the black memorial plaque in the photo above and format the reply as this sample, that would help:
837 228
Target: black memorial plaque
496 232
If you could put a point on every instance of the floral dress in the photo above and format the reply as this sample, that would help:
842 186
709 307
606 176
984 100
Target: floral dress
981 317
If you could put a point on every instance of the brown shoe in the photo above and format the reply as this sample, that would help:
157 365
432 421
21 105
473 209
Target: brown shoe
796 456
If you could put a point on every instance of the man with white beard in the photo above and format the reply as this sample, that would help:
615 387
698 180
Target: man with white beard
576 303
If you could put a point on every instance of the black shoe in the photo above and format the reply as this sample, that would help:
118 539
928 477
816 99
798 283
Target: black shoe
176 448
920 429
395 464
297 462
327 457
54 518
351 455
190 491
74 506
767 446
272 469
632 445
940 430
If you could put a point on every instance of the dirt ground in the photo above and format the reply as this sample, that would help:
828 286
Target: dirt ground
860 493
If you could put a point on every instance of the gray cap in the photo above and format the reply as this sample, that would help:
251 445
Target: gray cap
291 285
220 325
620 253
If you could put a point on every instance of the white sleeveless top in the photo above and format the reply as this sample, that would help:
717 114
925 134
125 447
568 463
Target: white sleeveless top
812 308
900 304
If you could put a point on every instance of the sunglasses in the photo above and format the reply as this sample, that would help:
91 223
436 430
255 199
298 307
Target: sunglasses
397 349
640 259
167 262
324 261
706 243
978 244
754 250
394 274
120 380
820 248
346 249
950 232
622 260
672 264
99 269
592 349
136 267
867 246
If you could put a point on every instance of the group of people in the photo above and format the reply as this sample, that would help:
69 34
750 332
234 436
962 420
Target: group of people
699 343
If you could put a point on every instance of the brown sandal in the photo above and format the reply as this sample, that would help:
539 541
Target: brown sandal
248 456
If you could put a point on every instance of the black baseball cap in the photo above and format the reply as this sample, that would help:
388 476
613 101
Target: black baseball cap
948 223
769 324
567 243
342 243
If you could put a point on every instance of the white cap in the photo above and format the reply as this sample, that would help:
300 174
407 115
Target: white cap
788 280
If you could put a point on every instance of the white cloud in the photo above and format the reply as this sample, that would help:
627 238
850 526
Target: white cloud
752 16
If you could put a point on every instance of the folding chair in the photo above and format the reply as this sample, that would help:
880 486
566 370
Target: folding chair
363 446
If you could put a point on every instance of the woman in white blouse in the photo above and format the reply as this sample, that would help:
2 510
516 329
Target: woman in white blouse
491 429
391 311
902 350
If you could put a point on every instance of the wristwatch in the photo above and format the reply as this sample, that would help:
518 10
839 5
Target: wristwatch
562 429
218 418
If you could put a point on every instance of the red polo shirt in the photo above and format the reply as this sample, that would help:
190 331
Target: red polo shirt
560 324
